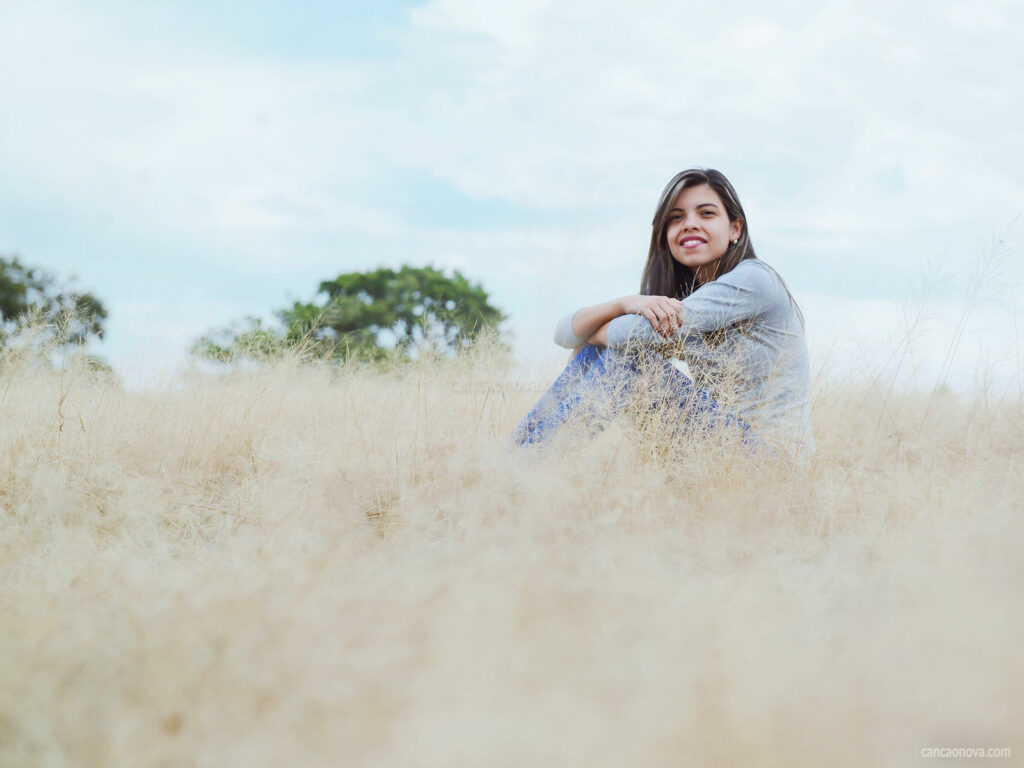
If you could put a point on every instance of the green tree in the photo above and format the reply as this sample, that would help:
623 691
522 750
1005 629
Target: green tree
369 315
32 295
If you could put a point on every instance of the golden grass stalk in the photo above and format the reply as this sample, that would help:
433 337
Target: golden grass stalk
316 566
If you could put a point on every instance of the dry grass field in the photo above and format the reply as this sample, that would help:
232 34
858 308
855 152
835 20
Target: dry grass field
300 566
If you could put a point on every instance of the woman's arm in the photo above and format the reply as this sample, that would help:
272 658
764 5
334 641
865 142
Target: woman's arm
587 320
600 336
747 292
591 323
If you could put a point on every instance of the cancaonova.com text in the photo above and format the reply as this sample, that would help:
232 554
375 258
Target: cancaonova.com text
966 752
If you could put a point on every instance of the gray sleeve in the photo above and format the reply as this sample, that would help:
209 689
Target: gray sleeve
564 337
626 330
747 292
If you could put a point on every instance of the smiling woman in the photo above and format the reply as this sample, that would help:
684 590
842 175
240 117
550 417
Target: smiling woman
704 297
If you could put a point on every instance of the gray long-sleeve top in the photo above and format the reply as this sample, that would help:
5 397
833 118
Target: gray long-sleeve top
743 339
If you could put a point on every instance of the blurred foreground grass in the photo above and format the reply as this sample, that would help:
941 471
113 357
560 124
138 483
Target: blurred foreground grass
315 567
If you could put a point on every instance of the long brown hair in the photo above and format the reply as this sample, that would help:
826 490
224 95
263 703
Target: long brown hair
663 275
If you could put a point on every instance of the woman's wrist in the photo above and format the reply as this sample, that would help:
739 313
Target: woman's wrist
629 305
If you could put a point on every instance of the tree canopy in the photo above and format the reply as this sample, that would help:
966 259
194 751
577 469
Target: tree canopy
32 295
370 315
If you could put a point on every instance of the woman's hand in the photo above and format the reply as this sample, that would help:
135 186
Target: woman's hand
665 314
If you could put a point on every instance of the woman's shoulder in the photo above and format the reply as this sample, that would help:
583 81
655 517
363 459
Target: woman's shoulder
773 292
756 275
765 288
753 267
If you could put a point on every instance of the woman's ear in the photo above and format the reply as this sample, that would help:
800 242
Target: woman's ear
736 229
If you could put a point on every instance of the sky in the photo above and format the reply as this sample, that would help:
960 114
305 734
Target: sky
193 163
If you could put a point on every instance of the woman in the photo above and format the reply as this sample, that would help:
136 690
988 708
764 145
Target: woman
707 298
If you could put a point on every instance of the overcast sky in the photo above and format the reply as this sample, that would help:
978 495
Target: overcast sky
193 163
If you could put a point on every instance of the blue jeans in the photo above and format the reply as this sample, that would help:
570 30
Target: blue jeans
599 382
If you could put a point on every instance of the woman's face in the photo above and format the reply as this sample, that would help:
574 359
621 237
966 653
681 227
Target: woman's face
699 231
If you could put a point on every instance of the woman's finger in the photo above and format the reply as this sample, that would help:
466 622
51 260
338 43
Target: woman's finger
655 321
671 317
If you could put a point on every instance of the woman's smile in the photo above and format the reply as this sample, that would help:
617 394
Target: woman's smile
699 231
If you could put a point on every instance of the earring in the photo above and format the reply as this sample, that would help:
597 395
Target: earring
735 241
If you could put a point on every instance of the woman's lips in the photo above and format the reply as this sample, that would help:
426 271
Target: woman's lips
691 243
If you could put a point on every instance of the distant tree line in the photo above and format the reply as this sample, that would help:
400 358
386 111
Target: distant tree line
375 315
369 316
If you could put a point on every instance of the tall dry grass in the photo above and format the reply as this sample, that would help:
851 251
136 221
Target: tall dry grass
315 567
